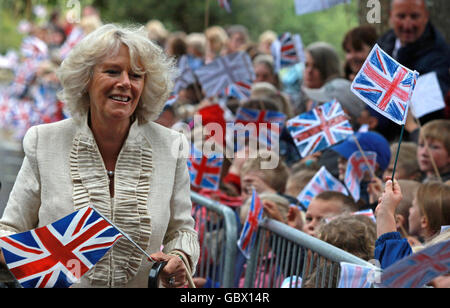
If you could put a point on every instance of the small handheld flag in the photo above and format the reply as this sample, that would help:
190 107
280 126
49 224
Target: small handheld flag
319 128
248 234
205 170
356 170
225 4
418 269
57 255
356 276
224 71
287 50
385 85
322 181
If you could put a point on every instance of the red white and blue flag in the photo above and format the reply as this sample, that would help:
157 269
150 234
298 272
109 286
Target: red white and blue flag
205 169
75 36
240 90
263 125
322 181
418 269
287 50
250 228
34 48
225 4
186 76
319 128
57 255
385 85
224 71
356 170
356 276
368 213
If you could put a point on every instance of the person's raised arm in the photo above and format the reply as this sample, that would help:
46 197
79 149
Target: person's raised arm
385 211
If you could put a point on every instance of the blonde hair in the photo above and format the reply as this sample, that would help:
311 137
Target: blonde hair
216 37
437 130
433 199
156 31
76 71
355 234
275 178
409 190
407 159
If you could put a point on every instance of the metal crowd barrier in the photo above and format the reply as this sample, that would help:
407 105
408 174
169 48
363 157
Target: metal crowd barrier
217 228
281 252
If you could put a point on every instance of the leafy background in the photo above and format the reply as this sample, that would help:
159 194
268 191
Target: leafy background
189 16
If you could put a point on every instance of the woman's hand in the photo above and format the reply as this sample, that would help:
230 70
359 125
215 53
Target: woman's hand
173 274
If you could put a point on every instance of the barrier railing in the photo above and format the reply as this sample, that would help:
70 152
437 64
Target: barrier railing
217 228
281 252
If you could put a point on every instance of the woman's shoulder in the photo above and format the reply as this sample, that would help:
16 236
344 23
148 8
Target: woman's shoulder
156 131
49 131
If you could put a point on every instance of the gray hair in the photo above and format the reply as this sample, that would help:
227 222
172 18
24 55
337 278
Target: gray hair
326 60
76 71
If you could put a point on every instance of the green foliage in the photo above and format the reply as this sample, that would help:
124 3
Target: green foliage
189 16
10 38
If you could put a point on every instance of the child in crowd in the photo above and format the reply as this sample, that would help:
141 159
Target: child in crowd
407 166
254 174
369 141
356 234
324 205
430 211
436 136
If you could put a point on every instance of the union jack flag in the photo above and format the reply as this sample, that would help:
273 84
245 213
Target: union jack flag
287 50
225 4
254 217
171 100
224 71
356 170
34 48
75 36
267 125
186 75
356 276
368 213
205 171
385 85
418 269
240 90
57 255
322 181
319 128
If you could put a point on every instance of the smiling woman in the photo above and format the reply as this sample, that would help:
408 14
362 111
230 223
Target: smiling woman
111 155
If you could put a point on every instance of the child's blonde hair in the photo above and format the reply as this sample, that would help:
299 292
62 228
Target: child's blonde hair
437 130
433 199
